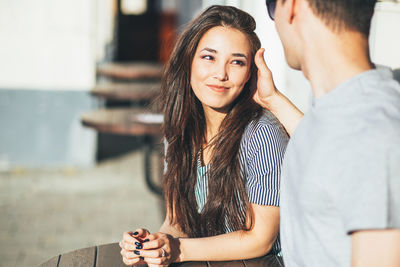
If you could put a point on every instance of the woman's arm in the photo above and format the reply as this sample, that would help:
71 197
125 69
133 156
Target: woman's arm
236 245
172 230
270 98
231 246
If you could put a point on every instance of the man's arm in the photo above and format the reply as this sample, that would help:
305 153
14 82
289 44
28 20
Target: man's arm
270 98
376 248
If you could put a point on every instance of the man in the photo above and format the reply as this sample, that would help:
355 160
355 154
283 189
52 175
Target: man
340 191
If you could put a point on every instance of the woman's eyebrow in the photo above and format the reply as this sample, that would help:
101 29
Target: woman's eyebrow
215 52
239 55
210 50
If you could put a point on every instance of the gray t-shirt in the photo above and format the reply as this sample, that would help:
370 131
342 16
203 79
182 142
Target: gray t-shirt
341 171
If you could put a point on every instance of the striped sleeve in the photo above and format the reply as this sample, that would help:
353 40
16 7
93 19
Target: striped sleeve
266 148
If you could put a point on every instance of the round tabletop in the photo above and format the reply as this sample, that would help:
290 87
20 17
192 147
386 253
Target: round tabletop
109 256
131 70
137 91
127 121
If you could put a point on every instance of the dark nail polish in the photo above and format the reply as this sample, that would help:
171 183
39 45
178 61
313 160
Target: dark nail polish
137 243
146 240
136 252
142 258
135 233
139 246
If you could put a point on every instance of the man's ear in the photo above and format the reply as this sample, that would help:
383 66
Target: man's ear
289 8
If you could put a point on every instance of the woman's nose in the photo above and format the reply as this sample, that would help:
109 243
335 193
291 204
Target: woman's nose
221 72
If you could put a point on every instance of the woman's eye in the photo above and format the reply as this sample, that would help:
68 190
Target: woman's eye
207 57
239 62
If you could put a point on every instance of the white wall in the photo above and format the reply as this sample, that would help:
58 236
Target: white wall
48 54
385 34
47 44
105 26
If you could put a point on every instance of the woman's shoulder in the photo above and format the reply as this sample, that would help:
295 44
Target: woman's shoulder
266 123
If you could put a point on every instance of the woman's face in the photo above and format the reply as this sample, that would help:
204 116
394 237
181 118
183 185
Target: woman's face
220 67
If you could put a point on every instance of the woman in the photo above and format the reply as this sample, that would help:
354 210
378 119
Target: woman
223 156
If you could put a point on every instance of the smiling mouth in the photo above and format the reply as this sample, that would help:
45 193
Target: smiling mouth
218 88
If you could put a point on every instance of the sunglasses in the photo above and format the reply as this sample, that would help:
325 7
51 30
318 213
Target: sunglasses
271 5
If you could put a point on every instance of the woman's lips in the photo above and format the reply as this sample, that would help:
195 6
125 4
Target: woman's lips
217 88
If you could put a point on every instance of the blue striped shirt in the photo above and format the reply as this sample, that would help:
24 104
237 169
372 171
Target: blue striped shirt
261 152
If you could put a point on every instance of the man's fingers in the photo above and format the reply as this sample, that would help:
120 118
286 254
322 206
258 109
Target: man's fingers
260 63
259 60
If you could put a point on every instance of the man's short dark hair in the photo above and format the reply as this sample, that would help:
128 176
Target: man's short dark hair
349 14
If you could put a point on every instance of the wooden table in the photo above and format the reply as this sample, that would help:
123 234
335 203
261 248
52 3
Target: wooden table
132 121
122 121
134 82
131 71
138 91
109 256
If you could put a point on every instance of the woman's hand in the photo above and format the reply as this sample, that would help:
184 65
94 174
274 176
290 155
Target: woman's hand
131 243
265 83
161 250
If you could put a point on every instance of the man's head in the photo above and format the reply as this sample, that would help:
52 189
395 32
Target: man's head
336 15
345 14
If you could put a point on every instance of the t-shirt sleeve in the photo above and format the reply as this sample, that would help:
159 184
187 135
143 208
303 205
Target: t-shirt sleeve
366 192
266 148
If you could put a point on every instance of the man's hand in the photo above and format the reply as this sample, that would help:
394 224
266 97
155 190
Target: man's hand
270 98
265 83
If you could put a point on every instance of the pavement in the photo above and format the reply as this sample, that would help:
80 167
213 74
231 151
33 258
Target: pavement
44 213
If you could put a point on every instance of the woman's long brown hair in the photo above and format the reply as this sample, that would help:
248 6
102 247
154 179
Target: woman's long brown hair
184 129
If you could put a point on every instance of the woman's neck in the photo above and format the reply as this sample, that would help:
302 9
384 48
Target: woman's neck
214 119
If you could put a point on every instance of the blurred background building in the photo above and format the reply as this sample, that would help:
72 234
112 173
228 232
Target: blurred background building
52 53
